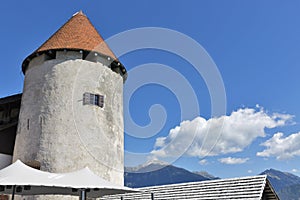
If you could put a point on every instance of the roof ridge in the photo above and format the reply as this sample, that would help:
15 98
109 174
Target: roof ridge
79 12
209 181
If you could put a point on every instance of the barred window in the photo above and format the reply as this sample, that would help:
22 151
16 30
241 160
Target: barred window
93 99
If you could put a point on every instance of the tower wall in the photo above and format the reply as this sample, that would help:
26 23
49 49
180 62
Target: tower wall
57 130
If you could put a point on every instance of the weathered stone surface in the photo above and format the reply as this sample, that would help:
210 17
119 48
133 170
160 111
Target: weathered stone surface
56 129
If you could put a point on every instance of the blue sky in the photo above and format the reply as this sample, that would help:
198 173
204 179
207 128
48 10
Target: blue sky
254 44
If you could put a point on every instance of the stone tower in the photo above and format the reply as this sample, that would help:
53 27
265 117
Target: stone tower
71 112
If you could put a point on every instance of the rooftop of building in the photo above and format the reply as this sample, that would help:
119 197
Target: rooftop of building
77 34
251 188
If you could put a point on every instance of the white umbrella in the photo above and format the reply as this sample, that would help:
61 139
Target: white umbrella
23 180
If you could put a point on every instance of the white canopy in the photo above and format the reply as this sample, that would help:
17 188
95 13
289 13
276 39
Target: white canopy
29 181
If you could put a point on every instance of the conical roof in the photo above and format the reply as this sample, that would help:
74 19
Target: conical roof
77 33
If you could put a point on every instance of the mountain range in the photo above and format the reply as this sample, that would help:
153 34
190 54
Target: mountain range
160 174
286 185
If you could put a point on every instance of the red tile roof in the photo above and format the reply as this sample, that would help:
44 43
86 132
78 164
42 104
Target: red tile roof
77 33
80 35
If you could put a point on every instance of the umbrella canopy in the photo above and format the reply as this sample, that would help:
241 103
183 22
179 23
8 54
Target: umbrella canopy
28 181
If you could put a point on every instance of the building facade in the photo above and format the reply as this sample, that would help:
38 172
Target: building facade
71 113
9 114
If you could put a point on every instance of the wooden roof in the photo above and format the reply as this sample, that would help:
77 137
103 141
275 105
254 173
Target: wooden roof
250 188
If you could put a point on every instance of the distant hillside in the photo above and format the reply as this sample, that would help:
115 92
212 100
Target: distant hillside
290 193
206 175
286 185
147 167
159 174
280 180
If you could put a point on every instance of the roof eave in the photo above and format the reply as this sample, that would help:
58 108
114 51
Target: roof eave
115 64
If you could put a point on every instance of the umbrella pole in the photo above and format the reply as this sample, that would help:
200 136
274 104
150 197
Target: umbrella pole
13 192
82 194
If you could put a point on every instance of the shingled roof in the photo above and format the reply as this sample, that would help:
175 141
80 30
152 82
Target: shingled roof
250 188
77 34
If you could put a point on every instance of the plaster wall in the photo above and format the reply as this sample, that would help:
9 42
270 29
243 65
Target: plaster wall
61 133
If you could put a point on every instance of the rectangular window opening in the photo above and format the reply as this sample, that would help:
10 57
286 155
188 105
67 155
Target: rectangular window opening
93 99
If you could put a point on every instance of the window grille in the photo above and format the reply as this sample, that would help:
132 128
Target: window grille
93 99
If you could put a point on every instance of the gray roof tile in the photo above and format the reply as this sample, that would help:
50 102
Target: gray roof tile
251 188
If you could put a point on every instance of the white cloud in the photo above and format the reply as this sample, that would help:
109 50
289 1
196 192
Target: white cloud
281 147
203 162
294 170
250 171
233 161
216 136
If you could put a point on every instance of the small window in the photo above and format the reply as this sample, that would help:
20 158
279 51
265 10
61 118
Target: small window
93 99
